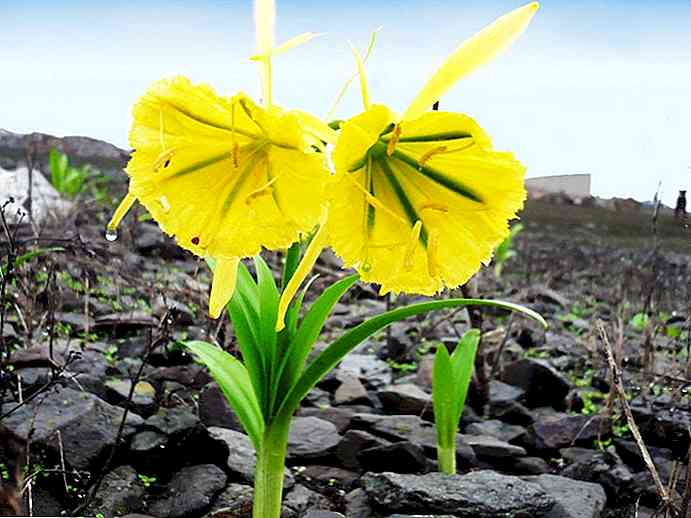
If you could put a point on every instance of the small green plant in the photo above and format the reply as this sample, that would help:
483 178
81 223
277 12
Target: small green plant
145 480
66 179
450 380
4 471
639 321
403 367
111 354
504 251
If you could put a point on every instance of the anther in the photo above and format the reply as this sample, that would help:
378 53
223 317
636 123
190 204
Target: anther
429 154
394 140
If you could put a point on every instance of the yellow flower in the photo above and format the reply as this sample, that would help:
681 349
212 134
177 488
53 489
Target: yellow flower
226 176
419 202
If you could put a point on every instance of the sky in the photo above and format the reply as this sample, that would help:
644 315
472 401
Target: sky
599 87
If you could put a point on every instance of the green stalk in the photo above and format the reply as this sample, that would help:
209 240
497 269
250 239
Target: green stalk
268 479
447 458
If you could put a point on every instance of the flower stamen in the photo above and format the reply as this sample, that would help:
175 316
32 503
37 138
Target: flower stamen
391 145
409 258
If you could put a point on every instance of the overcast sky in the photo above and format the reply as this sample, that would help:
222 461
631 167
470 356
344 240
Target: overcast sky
600 87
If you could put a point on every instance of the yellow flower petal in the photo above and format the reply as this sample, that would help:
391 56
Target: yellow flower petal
473 53
363 77
122 209
223 285
455 203
202 164
304 268
293 42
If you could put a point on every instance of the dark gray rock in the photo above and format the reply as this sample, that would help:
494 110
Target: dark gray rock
490 448
528 466
497 429
148 441
87 424
241 456
323 514
302 499
357 504
406 398
575 499
555 432
511 412
377 372
120 493
339 416
352 443
190 492
143 400
234 502
604 468
401 457
311 438
174 422
350 392
664 427
502 393
543 385
327 479
480 494
214 409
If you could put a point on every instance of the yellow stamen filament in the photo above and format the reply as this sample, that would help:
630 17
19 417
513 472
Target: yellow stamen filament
304 268
163 159
123 208
409 258
262 191
439 207
363 78
374 202
429 154
432 249
393 140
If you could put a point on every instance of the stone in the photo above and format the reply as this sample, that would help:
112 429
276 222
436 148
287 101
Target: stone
543 385
46 202
350 392
339 416
143 400
555 432
511 412
401 457
311 438
241 458
490 448
529 466
604 468
502 393
357 504
214 409
302 499
479 494
190 492
497 429
120 493
574 499
87 424
234 502
328 478
352 443
377 372
406 398
323 514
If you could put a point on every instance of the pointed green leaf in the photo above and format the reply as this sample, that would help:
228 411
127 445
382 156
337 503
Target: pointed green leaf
234 382
334 353
443 397
462 363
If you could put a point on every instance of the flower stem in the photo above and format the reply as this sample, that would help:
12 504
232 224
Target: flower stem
268 481
447 459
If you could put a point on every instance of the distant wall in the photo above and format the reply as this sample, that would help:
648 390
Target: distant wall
574 185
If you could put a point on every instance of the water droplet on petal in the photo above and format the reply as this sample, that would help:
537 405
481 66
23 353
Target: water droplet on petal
111 235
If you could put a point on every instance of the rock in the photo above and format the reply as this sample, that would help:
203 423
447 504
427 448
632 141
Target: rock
497 429
240 454
234 502
120 493
368 367
529 466
350 392
480 494
543 385
574 499
214 409
401 457
311 438
179 421
328 478
502 393
301 499
604 468
555 432
490 448
323 514
87 424
339 416
406 398
190 492
357 504
318 397
664 427
352 443
143 399
511 412
46 202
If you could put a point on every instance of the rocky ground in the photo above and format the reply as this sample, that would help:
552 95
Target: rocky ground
86 318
